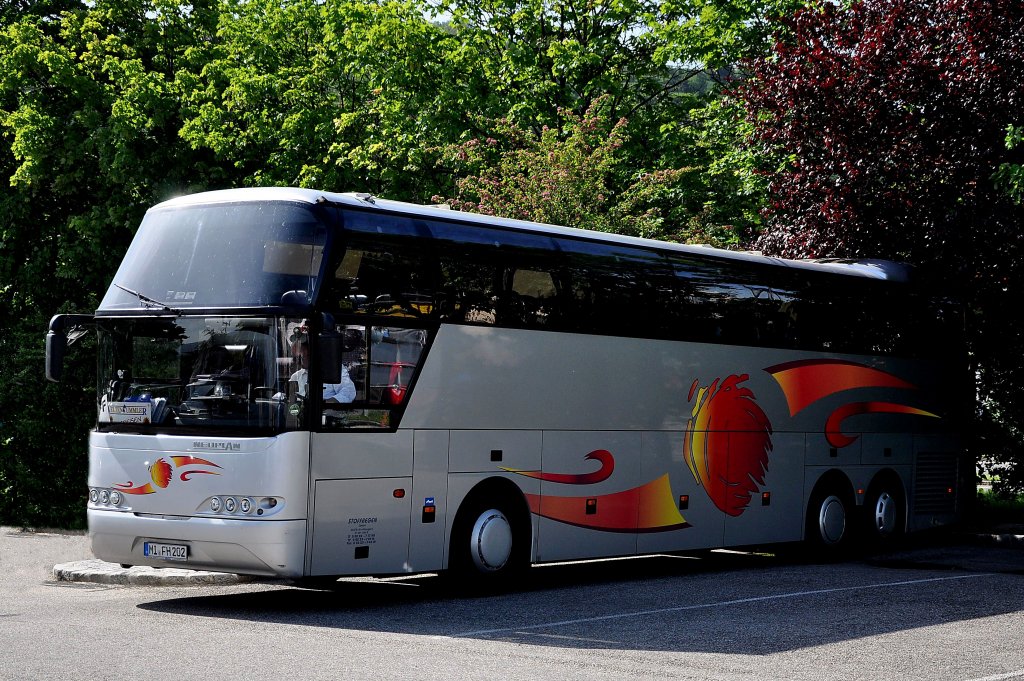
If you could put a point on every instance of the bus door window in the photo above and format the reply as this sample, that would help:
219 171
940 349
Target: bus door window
378 364
394 357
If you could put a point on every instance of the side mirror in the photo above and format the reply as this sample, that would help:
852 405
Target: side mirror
57 341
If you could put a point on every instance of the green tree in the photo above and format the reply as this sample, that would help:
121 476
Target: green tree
572 179
109 106
888 120
1009 175
89 124
339 95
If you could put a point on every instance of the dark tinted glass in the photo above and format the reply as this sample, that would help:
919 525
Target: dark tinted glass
220 255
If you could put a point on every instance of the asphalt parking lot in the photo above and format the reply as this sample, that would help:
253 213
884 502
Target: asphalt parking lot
951 608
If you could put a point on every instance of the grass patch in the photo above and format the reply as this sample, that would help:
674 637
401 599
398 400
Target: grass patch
992 510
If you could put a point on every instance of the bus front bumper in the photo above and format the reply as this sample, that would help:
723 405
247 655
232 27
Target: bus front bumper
268 548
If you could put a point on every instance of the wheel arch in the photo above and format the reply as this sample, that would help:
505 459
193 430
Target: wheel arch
833 480
502 492
890 477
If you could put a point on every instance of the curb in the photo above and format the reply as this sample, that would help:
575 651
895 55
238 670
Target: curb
101 572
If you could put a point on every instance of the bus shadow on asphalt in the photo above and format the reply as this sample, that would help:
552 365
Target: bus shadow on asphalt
728 602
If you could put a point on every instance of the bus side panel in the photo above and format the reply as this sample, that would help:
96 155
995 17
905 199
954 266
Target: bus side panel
360 527
594 512
360 524
429 490
940 475
888 449
777 517
821 453
704 524
361 455
475 451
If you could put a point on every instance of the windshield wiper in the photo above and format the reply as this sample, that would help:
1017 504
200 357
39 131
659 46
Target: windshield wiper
147 301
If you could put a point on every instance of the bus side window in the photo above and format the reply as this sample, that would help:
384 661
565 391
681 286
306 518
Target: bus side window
468 290
529 298
386 279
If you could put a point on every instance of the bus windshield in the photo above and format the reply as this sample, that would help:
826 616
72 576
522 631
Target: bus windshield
221 255
168 374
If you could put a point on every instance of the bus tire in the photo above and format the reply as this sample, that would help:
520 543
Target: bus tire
830 521
885 511
490 543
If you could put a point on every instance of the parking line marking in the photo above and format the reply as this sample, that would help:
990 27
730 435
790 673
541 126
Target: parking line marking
703 606
1000 677
569 638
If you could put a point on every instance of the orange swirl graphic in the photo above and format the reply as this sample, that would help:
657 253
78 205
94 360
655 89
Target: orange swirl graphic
162 472
835 436
602 473
130 488
808 381
180 461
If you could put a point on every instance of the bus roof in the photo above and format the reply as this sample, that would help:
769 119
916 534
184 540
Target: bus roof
868 268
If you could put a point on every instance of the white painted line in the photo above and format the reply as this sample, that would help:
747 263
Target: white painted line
1000 677
703 606
569 638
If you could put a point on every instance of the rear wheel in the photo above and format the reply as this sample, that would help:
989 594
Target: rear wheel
829 522
885 512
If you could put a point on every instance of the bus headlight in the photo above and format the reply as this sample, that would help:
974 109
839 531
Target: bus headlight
115 498
215 504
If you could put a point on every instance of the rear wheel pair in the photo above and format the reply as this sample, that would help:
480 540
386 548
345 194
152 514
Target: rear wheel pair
834 526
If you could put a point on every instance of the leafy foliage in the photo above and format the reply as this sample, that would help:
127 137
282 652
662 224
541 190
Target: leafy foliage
109 106
573 179
887 120
89 119
1010 176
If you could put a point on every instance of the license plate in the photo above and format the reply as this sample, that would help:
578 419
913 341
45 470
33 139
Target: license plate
165 551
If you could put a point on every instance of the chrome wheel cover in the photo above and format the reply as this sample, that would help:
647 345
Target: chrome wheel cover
885 514
832 520
491 541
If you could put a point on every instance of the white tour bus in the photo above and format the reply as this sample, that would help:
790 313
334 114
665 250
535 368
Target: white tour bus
301 384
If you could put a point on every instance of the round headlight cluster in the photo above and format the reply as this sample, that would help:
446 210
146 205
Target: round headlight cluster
241 505
105 497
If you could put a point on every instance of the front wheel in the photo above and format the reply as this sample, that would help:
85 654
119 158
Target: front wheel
489 545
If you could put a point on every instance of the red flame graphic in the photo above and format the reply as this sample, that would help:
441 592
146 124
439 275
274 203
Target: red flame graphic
648 508
727 442
161 473
130 488
838 439
807 381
